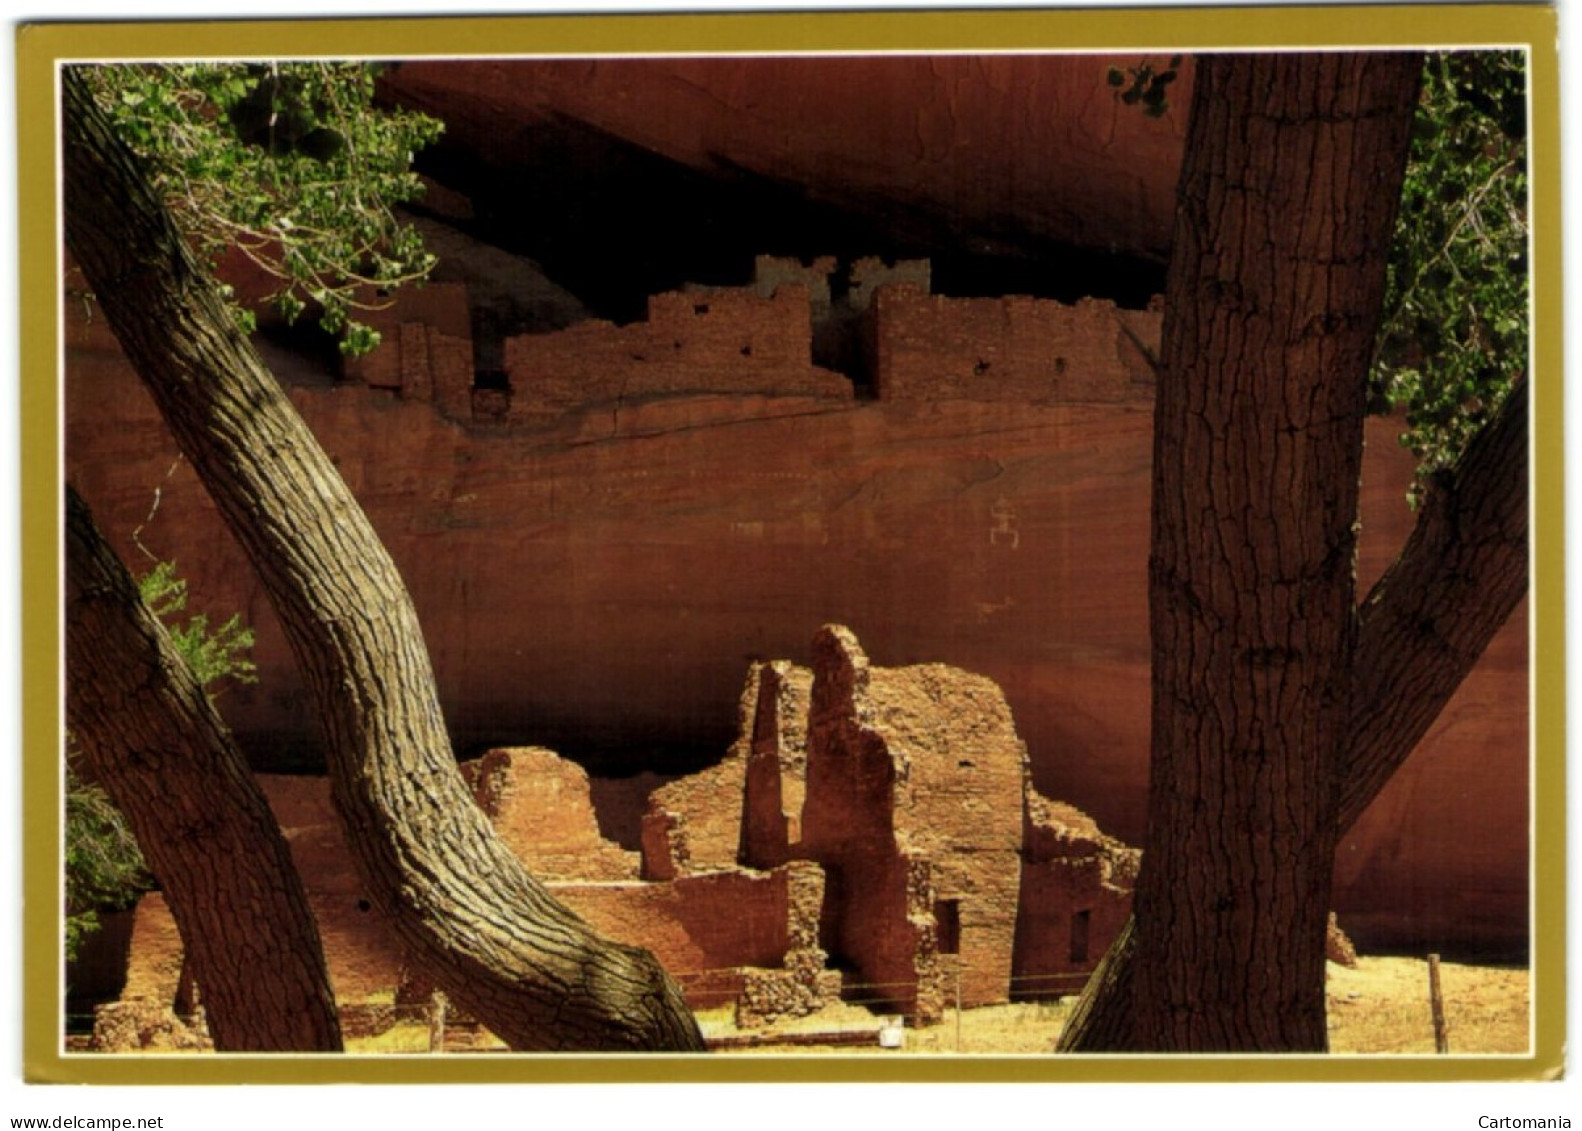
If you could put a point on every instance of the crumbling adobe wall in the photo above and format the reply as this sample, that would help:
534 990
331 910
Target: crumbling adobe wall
425 351
914 784
706 922
747 808
802 983
777 696
847 825
727 341
1076 892
542 805
958 805
695 924
1031 351
694 824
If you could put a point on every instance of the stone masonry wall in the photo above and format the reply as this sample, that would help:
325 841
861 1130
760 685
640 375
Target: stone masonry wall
425 351
543 805
1076 893
730 341
776 774
958 805
1038 351
694 925
694 824
914 794
838 298
927 872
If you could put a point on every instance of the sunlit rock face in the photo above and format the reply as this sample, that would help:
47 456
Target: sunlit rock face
593 574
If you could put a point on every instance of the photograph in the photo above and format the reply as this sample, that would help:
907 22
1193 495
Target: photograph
848 546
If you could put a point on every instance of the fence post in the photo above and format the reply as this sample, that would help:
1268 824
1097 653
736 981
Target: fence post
958 1003
1437 1001
436 1021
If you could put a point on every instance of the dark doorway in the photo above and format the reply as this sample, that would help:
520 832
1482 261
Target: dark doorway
1079 936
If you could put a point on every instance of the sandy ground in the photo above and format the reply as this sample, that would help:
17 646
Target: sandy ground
1380 1006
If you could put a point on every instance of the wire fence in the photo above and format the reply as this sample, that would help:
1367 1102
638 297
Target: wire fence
893 1006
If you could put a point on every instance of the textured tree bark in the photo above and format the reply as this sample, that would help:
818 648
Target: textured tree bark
1286 202
462 904
152 740
1423 626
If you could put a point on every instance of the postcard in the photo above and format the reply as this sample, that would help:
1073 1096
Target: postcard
978 546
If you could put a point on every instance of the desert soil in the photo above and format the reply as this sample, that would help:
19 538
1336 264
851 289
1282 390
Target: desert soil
1379 1006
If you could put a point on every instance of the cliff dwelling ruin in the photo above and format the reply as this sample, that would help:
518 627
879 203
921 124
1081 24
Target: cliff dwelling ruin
872 835
611 491
784 335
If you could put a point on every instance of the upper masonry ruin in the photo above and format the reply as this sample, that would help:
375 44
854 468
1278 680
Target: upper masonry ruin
805 330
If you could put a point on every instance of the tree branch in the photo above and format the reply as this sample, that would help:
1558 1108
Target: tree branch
1428 619
458 899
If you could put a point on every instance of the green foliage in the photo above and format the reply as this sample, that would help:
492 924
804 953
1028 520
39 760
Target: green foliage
214 656
104 868
1455 327
1145 86
287 163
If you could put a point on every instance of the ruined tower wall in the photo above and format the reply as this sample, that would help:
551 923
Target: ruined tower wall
914 799
932 348
958 805
776 776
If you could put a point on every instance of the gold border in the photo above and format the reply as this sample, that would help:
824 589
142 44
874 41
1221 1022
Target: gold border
40 46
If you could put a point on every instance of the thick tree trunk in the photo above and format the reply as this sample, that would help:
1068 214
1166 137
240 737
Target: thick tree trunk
1423 626
463 905
152 740
1286 203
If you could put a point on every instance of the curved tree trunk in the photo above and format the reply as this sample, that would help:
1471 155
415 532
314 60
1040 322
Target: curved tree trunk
152 739
462 904
1284 212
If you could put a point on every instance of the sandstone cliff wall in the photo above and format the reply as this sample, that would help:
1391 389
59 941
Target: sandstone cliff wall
599 585
913 141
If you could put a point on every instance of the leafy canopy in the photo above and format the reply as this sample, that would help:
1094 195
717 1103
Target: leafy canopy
1454 331
104 869
1454 334
288 164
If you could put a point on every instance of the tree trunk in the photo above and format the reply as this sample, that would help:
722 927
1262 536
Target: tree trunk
462 904
1286 203
151 739
1425 623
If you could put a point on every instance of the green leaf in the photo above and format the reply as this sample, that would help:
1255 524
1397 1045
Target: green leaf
291 159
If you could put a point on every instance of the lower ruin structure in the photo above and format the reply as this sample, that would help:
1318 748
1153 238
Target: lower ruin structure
872 836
